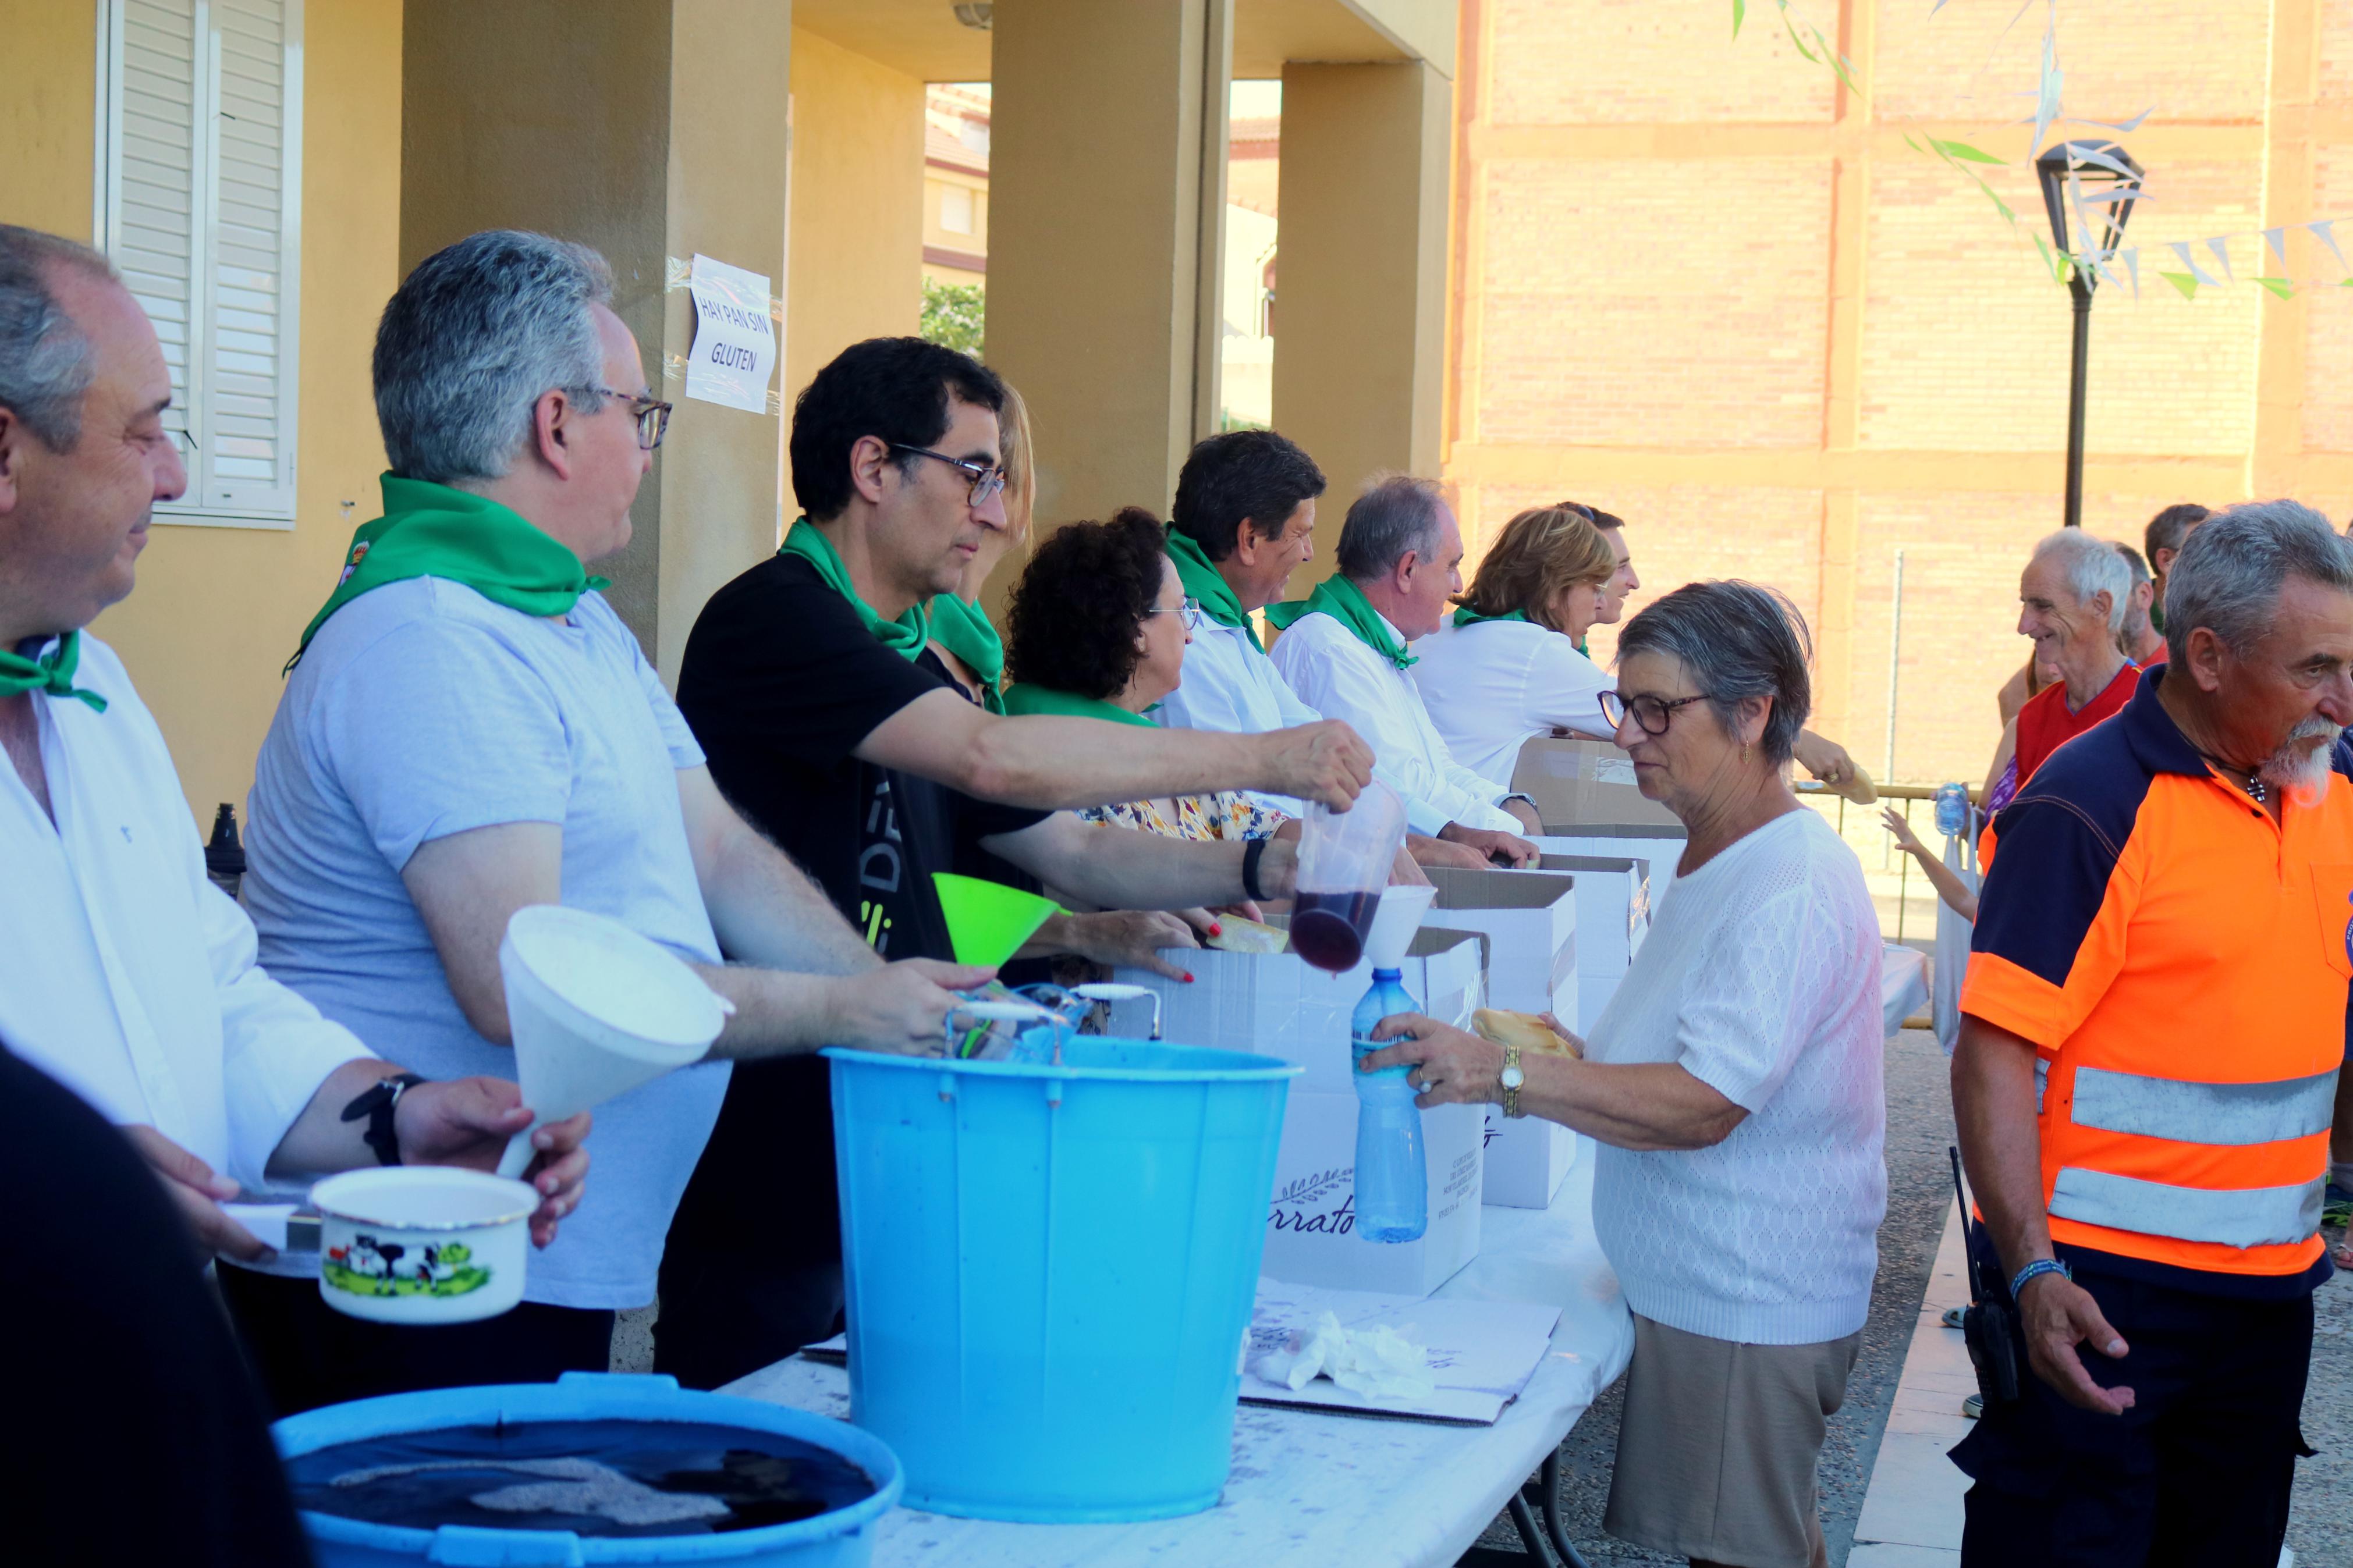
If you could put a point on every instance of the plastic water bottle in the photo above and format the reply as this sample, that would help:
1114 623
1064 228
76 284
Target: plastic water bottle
1392 1188
1952 809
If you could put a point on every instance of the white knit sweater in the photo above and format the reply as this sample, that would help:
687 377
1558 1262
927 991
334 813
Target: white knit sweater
1760 977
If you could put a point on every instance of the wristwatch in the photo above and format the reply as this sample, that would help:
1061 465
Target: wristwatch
378 1105
1512 1079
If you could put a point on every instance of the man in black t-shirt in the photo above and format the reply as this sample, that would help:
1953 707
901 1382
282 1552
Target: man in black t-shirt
831 727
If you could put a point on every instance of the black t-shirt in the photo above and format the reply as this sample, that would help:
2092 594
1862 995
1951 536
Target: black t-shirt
133 1434
781 682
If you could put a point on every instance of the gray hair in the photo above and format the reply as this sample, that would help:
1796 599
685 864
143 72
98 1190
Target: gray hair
471 342
1738 641
1396 514
44 359
2232 568
2093 567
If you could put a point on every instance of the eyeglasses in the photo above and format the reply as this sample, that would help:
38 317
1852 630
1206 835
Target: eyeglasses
985 481
651 414
1191 610
1651 714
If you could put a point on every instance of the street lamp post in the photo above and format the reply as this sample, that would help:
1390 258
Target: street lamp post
2098 182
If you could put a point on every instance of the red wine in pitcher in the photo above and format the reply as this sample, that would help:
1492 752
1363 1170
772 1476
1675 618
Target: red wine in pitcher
1328 930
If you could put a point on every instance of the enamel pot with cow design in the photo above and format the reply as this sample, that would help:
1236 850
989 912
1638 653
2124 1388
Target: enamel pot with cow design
422 1244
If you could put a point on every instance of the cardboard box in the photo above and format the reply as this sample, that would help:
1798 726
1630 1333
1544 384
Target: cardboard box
1609 906
1311 1237
1578 780
1654 850
1528 1160
1530 920
1280 1006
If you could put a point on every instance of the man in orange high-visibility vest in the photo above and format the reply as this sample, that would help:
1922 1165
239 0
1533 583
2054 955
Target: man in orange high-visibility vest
2151 1030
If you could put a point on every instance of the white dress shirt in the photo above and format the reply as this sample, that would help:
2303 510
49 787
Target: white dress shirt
1493 686
128 976
1336 673
1228 686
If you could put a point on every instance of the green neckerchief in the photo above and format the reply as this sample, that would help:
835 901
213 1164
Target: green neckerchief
1344 603
51 673
1467 617
905 637
433 530
1209 587
964 631
1038 701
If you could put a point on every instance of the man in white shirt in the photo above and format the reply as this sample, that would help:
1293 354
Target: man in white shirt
1344 652
128 976
1234 562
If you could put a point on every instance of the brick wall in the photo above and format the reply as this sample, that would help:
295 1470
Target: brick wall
1707 290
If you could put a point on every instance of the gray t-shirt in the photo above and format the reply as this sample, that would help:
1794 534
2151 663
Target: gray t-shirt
423 709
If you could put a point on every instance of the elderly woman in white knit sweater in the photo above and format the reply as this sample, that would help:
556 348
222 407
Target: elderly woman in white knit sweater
1733 1084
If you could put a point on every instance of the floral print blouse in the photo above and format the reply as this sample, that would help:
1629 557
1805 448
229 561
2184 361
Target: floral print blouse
1227 815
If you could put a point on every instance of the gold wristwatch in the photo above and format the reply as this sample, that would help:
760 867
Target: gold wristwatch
1512 1078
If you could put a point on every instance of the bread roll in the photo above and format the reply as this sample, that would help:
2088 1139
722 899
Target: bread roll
1525 1030
1236 934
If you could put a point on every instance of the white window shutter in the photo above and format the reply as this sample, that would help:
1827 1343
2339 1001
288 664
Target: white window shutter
203 185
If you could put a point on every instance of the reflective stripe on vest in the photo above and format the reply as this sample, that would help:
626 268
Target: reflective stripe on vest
2247 1216
2229 1115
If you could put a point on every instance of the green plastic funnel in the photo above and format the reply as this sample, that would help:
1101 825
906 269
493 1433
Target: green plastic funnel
988 921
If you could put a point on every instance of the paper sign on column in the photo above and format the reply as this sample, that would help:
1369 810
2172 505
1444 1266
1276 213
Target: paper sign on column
734 341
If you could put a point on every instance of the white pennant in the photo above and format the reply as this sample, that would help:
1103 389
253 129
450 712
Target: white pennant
2181 249
2277 239
2222 254
2329 239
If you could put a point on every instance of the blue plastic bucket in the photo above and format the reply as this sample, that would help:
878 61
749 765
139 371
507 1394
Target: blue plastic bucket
1050 1270
841 1539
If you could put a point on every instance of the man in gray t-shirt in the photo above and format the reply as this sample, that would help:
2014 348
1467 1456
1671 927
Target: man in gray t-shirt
470 730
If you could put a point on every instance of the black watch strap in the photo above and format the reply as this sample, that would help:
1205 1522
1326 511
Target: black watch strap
378 1105
1251 856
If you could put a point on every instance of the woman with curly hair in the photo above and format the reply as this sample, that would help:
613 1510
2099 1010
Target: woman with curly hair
1510 668
1100 625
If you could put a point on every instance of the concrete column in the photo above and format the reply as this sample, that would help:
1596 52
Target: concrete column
1106 223
1360 289
649 131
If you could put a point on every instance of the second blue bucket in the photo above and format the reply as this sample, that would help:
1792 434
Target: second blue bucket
1048 1270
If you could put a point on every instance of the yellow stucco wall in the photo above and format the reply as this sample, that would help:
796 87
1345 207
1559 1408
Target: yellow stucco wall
48 114
217 610
857 249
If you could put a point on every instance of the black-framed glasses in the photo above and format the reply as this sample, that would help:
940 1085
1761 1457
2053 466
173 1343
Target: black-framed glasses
1651 714
651 414
986 482
1190 611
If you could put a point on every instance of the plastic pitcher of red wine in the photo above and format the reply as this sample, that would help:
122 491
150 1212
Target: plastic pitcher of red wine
1345 859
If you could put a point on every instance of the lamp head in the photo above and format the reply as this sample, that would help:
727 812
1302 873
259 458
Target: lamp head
2098 182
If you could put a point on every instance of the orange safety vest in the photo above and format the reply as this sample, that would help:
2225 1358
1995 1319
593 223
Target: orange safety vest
2179 962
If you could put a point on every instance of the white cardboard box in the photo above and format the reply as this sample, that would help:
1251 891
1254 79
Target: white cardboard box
1278 1005
1532 920
1608 907
1311 1237
1654 849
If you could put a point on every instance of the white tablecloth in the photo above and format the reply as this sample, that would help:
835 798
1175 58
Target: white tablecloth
1902 983
1325 1488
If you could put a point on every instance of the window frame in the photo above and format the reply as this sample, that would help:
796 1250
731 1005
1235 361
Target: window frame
106 197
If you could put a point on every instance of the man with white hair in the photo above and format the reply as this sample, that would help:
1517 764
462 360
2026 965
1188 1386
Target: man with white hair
1343 651
2073 597
2151 1034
